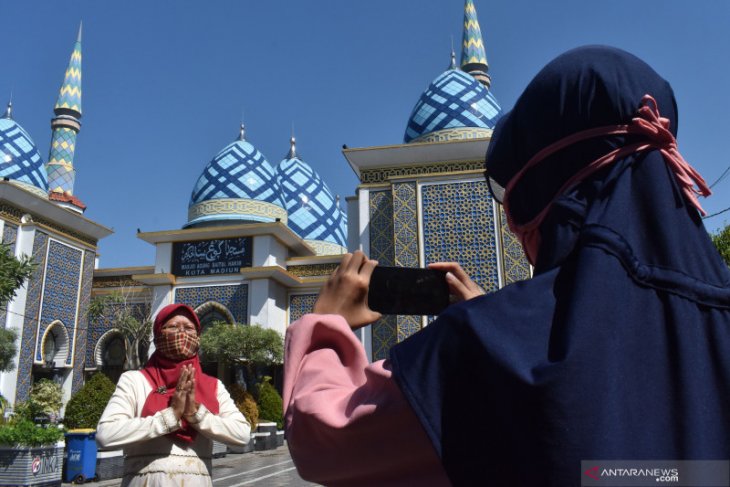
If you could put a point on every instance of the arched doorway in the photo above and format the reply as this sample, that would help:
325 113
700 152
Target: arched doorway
110 354
209 313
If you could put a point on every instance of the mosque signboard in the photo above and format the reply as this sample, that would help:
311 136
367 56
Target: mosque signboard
209 257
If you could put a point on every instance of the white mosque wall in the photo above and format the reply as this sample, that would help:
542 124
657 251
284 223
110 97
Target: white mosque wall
16 310
163 259
268 304
268 251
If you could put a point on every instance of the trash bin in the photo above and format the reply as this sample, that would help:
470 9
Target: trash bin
80 455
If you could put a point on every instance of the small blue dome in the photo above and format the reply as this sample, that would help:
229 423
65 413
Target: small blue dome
314 214
20 160
454 100
237 185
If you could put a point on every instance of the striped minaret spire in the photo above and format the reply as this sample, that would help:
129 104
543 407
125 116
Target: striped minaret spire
473 57
66 125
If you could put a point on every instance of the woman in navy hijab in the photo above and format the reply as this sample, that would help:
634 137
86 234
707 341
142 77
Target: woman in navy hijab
617 349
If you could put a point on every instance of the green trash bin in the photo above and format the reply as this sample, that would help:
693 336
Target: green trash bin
80 455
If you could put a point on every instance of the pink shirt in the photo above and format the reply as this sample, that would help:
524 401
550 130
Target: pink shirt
347 422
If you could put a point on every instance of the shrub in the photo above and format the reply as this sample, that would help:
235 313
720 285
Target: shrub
246 404
270 403
85 407
47 395
24 432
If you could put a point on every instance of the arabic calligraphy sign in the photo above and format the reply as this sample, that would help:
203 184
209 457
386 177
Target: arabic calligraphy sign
207 257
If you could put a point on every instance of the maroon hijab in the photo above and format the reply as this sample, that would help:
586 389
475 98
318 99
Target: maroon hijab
163 374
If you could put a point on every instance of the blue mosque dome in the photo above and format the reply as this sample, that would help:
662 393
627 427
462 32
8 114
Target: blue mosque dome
314 214
454 106
20 160
238 185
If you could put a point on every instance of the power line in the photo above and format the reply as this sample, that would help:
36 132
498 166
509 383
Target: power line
718 213
722 176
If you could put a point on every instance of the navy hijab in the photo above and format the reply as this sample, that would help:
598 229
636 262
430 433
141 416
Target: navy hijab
619 347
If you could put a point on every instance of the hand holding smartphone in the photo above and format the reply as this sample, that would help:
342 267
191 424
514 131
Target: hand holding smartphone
408 291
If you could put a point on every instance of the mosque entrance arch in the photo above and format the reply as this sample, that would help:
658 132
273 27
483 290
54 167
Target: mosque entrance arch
110 354
209 313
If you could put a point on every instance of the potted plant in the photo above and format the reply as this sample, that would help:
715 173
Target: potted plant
30 454
245 403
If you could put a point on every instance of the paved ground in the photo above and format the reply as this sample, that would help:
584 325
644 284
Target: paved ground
271 468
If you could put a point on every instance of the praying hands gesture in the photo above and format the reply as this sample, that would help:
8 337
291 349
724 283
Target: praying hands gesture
183 401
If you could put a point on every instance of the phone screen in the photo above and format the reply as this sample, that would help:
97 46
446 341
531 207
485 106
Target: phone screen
408 291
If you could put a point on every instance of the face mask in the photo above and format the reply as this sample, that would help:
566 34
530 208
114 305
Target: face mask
177 345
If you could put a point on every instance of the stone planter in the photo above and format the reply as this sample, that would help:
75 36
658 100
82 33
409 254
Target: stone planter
109 464
219 449
36 466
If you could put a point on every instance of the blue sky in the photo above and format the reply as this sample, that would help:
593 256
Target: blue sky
165 83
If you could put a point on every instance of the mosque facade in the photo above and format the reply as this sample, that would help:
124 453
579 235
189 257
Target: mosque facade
261 238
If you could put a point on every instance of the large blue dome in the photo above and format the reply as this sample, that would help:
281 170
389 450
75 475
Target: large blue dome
455 106
237 185
314 214
20 160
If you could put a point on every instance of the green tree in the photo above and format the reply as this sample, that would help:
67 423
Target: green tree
246 345
721 239
13 273
128 315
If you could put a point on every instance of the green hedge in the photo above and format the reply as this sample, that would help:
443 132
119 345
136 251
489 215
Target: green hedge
85 407
270 403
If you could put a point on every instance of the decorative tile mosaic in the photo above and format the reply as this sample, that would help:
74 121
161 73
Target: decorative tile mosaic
405 224
299 305
69 96
80 347
458 225
239 171
10 234
30 323
515 264
234 298
407 326
19 157
454 99
384 331
313 211
312 270
61 174
472 45
405 230
60 291
11 213
379 175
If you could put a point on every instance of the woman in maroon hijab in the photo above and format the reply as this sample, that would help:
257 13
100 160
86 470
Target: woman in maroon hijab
167 415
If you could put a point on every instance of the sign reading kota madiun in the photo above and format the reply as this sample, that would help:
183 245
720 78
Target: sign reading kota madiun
207 257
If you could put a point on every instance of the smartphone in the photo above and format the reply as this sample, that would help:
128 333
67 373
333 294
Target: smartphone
408 291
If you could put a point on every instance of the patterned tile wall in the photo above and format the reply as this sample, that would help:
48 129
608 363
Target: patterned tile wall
299 305
458 225
405 230
30 323
83 321
60 292
516 266
99 326
234 298
384 331
10 234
